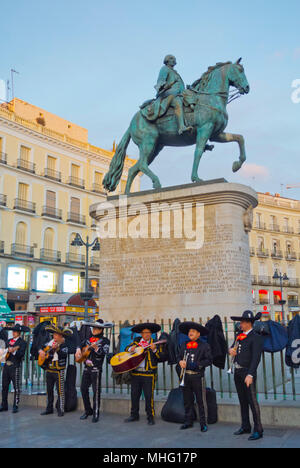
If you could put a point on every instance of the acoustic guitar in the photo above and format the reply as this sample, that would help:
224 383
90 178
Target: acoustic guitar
86 351
128 361
8 353
49 353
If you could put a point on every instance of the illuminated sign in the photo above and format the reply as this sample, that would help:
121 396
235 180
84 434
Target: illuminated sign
45 281
17 277
70 283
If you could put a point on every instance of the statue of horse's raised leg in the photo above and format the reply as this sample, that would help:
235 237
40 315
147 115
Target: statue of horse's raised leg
228 138
203 134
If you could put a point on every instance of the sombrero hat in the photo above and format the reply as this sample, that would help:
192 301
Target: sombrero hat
185 327
248 316
18 328
153 327
99 324
59 330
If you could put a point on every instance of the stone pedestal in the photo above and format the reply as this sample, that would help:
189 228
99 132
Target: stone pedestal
161 276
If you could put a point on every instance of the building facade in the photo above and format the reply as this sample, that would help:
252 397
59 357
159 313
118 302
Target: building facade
275 246
49 176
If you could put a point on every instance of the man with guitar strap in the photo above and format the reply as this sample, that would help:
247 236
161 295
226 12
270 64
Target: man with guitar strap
144 377
92 353
53 358
12 367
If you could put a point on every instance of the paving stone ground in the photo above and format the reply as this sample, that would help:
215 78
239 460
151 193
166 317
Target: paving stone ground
29 429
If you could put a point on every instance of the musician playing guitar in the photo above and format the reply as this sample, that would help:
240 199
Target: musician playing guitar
12 367
96 349
55 355
144 377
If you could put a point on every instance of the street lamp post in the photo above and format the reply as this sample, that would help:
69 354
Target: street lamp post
281 277
79 242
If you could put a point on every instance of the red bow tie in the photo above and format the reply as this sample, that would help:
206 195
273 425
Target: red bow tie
242 336
192 345
144 343
12 342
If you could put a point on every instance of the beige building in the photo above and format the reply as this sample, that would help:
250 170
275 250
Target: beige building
49 176
275 245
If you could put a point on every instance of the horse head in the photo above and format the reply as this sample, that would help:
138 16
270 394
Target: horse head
237 77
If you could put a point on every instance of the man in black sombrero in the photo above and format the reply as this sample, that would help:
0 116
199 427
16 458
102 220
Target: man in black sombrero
144 377
13 365
194 357
247 355
55 368
91 376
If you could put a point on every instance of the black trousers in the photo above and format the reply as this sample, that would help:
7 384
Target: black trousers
145 383
194 385
11 374
248 399
91 377
55 378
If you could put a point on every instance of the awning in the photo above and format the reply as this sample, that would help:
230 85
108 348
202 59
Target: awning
5 311
62 302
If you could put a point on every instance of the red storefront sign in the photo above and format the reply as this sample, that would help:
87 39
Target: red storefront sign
19 319
53 310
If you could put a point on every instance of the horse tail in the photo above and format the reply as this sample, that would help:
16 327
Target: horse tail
114 174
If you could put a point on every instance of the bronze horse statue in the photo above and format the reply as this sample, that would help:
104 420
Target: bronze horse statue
205 111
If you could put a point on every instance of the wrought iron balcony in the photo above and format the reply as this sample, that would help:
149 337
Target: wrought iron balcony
262 252
260 225
22 250
95 261
293 282
76 182
3 199
254 279
75 258
50 255
292 256
276 254
98 188
76 218
3 158
24 205
293 303
52 212
264 280
51 174
288 229
26 165
274 227
1 246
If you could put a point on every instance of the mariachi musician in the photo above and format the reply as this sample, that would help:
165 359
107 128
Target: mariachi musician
247 355
12 367
144 377
55 355
97 347
194 357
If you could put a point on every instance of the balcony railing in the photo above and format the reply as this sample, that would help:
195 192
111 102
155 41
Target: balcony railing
50 255
95 262
75 258
260 226
293 303
3 199
264 280
24 205
51 174
293 282
98 188
288 229
52 212
75 182
23 250
1 246
254 279
274 227
76 218
252 251
262 252
292 256
3 158
276 254
26 165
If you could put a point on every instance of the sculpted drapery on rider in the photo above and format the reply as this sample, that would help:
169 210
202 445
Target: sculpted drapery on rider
170 85
181 117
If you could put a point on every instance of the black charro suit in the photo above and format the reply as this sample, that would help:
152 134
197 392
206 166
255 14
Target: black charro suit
249 351
12 372
199 357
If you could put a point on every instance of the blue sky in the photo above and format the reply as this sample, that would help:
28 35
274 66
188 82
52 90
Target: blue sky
95 62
